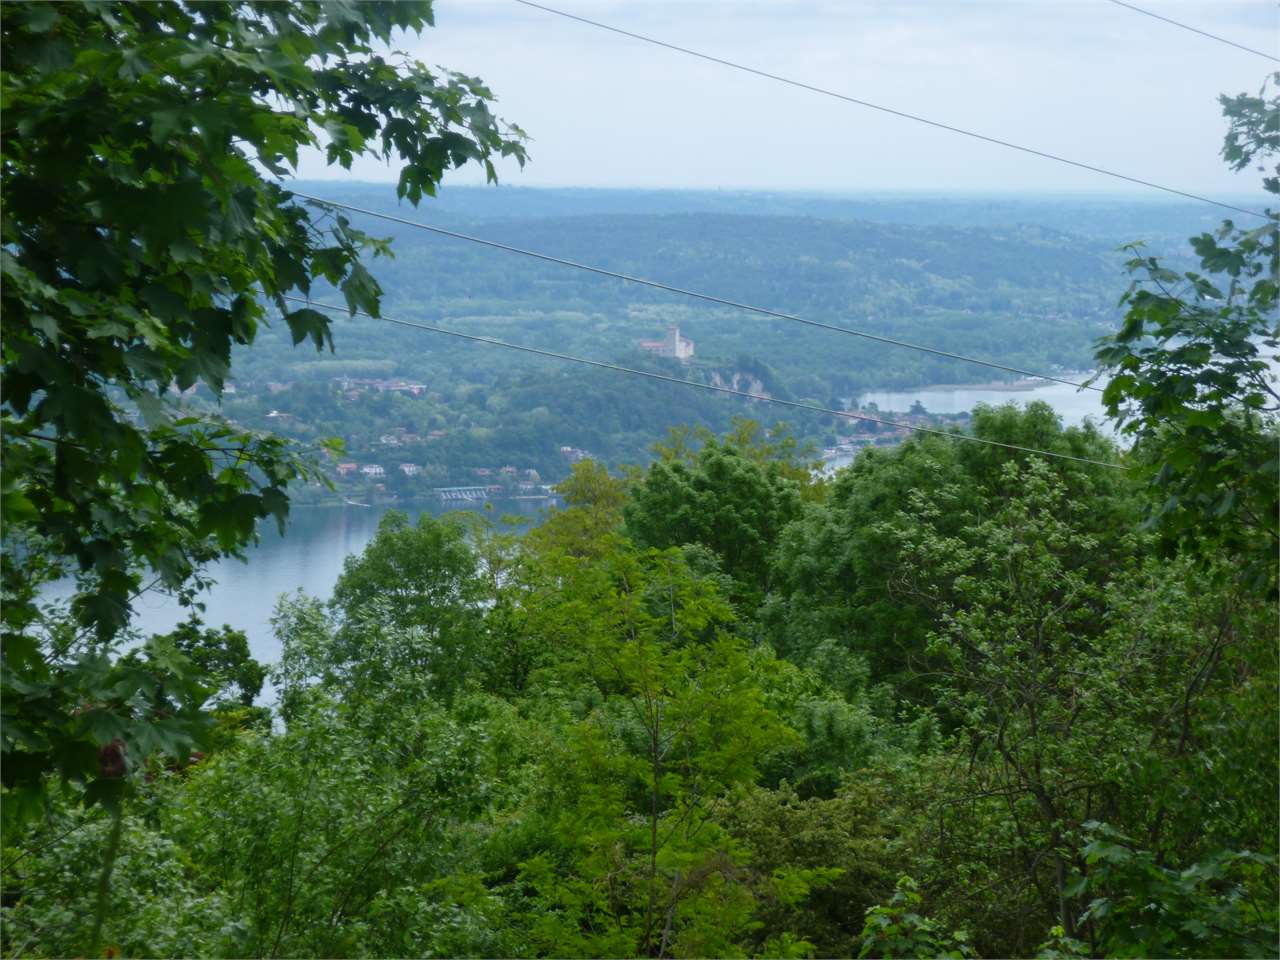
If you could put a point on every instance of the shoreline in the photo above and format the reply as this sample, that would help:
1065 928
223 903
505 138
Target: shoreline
328 503
1002 386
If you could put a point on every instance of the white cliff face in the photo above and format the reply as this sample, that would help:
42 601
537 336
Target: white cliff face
743 382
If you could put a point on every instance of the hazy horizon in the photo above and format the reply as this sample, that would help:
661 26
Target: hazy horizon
1085 79
1133 196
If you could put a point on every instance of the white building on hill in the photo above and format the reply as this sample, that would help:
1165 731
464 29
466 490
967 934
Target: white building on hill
672 345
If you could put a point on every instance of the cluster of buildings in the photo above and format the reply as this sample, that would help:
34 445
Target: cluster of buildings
399 437
527 481
374 471
847 447
352 387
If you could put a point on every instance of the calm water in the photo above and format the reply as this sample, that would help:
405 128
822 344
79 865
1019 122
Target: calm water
308 557
1071 403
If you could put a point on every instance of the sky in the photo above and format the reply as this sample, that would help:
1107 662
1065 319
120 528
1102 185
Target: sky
1087 79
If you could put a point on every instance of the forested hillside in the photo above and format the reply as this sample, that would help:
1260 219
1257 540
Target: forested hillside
1025 295
999 688
1110 218
954 703
1020 295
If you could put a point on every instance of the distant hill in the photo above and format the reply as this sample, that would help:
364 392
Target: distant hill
990 285
1112 218
1026 295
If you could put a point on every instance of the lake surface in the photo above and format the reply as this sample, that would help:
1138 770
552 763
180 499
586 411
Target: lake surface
1071 403
308 557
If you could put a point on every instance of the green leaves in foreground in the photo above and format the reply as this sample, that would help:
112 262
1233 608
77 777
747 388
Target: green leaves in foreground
95 720
1193 372
141 239
1222 906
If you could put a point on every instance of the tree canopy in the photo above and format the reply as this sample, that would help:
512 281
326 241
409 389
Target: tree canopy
1193 367
957 700
145 231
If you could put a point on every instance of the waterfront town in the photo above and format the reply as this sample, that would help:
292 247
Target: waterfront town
403 441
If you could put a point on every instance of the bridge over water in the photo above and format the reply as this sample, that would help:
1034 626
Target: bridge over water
457 494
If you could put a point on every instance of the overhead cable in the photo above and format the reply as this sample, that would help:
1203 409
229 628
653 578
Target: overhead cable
1203 33
618 368
890 110
709 298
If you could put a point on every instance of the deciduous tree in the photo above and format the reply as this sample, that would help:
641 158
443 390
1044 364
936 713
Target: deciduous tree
1193 371
145 231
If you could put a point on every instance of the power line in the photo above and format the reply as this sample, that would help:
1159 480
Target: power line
693 293
890 110
1203 33
601 364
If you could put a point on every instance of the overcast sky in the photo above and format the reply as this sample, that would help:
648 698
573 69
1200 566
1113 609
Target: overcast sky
1083 78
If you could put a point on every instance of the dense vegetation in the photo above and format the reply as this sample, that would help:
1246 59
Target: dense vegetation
961 699
1110 218
972 291
975 291
953 701
898 267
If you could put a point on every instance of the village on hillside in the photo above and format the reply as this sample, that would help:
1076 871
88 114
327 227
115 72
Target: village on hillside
402 441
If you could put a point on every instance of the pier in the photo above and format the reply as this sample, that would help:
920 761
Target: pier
457 494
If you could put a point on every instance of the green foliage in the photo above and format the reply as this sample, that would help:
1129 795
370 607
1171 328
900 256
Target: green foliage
776 448
158 907
594 500
328 819
1059 946
87 717
425 571
712 708
723 500
223 657
668 719
141 236
975 291
144 234
1253 132
838 592
568 743
785 835
897 929
1223 906
415 587
1037 662
1193 378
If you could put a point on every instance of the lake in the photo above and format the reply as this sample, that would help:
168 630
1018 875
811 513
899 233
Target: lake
308 557
1071 403
319 539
